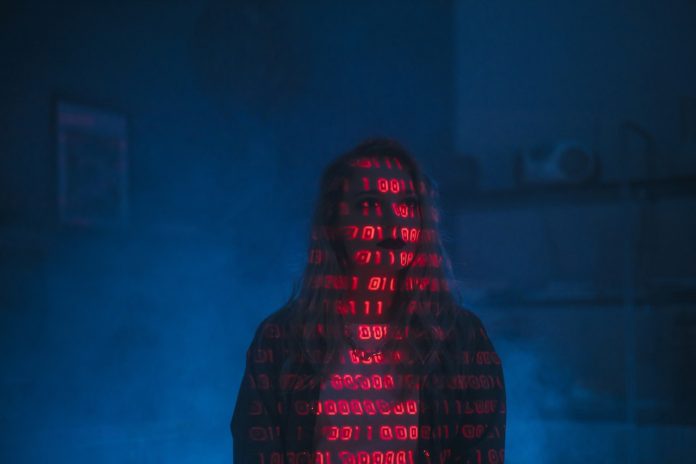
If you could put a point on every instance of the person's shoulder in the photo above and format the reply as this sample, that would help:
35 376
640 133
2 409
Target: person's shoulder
467 315
276 317
271 327
468 324
457 314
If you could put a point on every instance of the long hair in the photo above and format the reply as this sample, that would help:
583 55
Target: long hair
425 298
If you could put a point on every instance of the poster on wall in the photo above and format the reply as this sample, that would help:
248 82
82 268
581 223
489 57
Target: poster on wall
92 166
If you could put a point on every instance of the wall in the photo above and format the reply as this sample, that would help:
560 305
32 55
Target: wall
127 345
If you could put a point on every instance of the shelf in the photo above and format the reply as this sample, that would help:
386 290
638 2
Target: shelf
510 302
635 189
654 293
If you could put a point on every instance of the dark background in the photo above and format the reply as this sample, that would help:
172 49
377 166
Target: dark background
126 343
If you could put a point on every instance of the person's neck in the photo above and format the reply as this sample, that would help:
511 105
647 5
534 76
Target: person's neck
371 301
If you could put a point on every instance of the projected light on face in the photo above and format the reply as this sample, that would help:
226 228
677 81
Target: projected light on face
379 217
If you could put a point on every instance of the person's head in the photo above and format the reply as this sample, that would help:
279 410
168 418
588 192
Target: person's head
375 218
371 208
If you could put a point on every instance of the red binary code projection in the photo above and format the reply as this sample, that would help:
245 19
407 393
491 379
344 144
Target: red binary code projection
373 361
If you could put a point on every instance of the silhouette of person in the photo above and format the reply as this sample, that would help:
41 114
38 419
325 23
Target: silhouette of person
373 359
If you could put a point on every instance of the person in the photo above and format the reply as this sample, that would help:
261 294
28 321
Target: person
373 359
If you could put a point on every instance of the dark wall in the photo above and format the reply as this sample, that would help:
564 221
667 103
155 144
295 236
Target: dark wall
219 84
589 288
127 344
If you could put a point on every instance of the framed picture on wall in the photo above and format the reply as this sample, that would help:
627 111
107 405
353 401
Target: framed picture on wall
92 165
